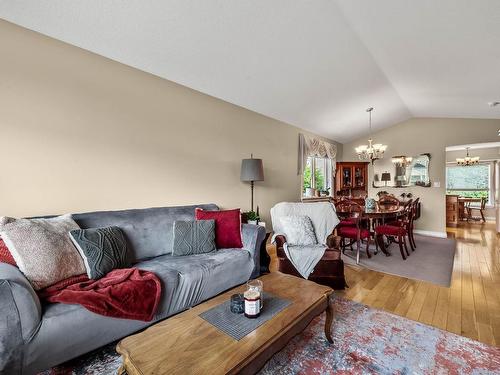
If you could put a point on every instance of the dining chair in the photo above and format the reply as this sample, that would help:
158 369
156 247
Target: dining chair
344 221
388 200
398 230
411 233
355 230
470 210
410 221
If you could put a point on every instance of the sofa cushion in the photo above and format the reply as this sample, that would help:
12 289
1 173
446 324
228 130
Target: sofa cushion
203 276
102 249
148 231
193 237
43 250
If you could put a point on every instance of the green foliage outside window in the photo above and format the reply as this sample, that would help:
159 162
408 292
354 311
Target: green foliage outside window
469 182
318 176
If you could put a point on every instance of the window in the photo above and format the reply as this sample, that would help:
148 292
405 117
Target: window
321 179
473 181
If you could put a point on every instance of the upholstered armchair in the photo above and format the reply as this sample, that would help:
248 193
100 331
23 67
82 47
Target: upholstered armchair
330 269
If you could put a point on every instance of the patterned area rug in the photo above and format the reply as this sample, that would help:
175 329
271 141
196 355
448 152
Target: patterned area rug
366 341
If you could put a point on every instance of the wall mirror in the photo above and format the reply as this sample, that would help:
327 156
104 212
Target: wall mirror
403 171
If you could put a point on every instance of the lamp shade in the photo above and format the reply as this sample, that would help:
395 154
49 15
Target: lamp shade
386 176
252 170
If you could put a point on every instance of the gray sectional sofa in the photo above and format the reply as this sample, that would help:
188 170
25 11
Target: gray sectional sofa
35 336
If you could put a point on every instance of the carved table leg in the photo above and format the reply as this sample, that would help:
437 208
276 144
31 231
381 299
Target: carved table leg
121 370
329 320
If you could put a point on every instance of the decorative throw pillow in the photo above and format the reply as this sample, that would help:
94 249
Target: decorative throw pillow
102 249
227 226
5 255
194 237
298 230
42 249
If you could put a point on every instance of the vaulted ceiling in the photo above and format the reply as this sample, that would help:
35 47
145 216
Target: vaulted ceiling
314 64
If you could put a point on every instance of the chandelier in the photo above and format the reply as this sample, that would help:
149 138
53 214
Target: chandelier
371 151
468 160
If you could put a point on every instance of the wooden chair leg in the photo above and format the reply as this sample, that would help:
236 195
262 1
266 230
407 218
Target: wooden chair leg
413 240
405 246
368 247
482 215
410 241
379 238
400 243
358 247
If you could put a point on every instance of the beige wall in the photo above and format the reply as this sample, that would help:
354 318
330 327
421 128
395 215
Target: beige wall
430 135
80 132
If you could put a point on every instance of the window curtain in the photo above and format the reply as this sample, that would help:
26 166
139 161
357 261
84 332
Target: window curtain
310 146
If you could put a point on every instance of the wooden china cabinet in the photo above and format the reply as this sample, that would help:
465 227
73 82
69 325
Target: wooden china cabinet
351 180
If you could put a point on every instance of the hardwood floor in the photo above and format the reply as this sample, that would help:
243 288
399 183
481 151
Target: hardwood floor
469 307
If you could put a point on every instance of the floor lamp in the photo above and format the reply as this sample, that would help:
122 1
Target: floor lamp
252 170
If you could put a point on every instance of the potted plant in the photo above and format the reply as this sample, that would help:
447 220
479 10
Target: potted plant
252 217
325 192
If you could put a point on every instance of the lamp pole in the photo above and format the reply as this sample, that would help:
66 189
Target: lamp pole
251 188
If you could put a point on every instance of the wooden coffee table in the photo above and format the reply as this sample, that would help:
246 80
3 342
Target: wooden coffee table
187 344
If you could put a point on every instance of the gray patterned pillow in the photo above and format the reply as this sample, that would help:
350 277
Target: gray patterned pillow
102 249
193 237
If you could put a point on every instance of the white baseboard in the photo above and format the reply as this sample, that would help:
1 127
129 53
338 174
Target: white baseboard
431 233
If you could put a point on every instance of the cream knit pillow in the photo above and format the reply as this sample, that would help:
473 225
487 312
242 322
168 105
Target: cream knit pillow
299 230
43 249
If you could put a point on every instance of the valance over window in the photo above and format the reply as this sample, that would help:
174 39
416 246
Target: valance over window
314 147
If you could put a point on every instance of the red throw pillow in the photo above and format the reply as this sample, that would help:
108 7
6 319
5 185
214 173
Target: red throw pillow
227 226
5 255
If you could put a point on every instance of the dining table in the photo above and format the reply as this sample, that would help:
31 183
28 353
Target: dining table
462 203
378 215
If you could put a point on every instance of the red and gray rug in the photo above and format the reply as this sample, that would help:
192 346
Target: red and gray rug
366 341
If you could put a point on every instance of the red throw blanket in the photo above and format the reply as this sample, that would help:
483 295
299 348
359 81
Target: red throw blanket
127 293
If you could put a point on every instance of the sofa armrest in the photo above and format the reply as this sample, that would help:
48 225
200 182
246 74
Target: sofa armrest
252 237
333 241
280 240
20 313
25 298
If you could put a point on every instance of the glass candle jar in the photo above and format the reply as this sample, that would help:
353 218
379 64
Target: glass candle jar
257 286
252 303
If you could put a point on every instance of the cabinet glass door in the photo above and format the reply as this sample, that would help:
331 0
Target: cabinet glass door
346 177
359 177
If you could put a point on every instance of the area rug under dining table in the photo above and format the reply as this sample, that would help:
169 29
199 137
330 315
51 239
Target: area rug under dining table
366 341
431 261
